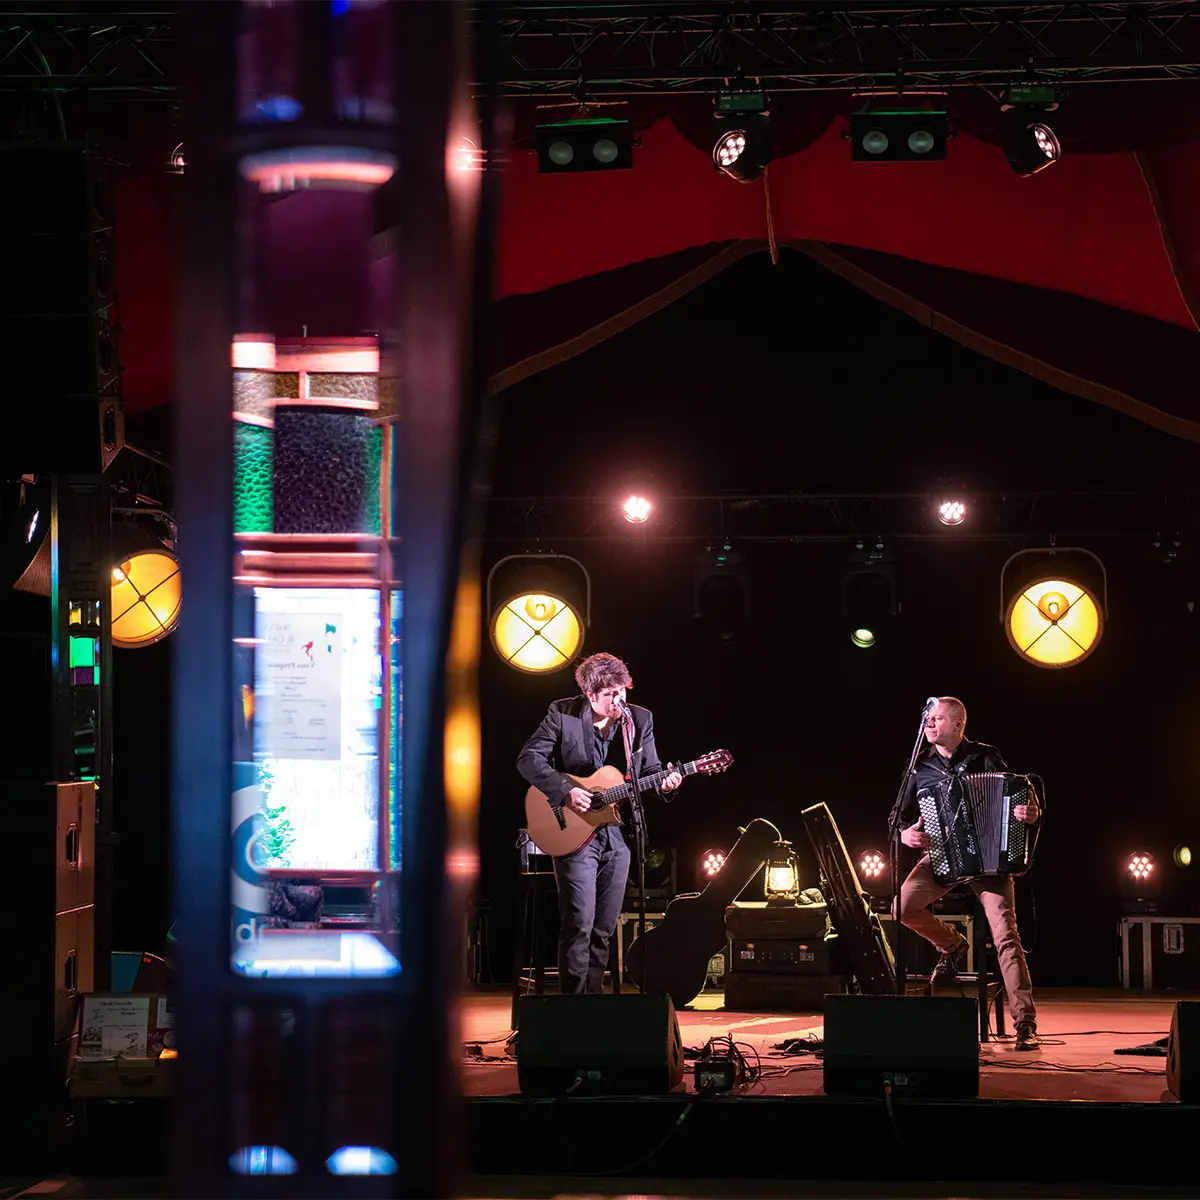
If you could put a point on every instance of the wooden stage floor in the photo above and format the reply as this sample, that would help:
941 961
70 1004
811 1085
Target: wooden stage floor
1080 1031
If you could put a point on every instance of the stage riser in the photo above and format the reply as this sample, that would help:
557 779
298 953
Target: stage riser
841 1139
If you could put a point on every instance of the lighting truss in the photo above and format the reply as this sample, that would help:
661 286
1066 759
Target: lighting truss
657 49
798 517
100 47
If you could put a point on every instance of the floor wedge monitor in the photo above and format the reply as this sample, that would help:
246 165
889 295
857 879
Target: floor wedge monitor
628 1044
920 1045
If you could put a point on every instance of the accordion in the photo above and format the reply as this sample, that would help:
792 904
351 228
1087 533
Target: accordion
971 827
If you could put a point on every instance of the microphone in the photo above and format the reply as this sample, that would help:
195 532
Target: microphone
622 709
930 703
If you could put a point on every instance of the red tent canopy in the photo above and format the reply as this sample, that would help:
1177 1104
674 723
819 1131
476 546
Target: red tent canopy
1026 269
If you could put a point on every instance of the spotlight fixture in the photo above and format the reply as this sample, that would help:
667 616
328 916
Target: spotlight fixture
720 593
872 865
743 147
588 145
1054 615
146 587
1182 856
1140 867
711 862
637 509
537 611
909 135
1030 144
870 595
176 164
952 512
782 880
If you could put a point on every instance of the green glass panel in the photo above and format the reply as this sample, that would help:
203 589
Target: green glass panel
253 507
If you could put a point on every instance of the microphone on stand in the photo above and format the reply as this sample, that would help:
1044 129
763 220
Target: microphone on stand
930 703
622 708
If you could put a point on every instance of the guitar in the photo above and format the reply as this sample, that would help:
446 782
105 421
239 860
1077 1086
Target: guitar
563 831
672 959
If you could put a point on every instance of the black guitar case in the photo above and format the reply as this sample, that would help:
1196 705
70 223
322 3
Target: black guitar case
672 959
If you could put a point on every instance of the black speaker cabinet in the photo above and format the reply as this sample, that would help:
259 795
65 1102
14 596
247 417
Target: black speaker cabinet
1184 1046
923 1045
628 1044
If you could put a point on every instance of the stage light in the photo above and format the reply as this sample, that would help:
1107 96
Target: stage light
910 135
469 157
1054 614
589 145
1140 867
870 595
720 593
1183 856
176 164
636 509
872 865
146 587
743 150
711 862
782 880
537 611
952 512
1030 144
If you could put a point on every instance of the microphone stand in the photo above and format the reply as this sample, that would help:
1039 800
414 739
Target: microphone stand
638 815
894 845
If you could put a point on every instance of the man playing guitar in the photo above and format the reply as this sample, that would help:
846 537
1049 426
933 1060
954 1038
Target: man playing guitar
578 736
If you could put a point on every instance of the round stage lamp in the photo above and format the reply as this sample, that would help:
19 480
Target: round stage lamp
537 616
863 638
743 153
1183 856
146 588
711 862
1055 619
637 510
952 512
872 865
1140 866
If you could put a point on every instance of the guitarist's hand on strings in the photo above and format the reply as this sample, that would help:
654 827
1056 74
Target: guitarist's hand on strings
580 799
672 781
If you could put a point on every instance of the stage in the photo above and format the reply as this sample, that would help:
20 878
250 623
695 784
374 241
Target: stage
1072 1110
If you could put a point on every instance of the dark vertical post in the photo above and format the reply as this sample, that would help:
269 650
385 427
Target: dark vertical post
201 781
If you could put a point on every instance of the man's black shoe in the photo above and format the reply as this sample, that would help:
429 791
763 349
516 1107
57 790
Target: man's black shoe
951 962
1027 1036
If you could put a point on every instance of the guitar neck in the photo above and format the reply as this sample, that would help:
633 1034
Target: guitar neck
645 783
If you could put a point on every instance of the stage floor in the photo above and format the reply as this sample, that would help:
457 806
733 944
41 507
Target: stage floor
1080 1031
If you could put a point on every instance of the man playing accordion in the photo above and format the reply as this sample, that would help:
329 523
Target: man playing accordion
946 754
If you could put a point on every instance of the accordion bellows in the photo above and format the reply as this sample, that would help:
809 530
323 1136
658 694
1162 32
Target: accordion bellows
971 827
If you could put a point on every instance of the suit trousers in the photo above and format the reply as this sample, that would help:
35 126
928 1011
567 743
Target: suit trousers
995 894
591 887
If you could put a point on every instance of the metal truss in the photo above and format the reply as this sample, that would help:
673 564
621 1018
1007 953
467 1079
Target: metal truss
101 47
140 481
595 51
878 522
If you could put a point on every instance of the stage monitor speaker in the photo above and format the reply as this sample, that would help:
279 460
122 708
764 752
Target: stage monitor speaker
628 1044
922 1045
1184 1046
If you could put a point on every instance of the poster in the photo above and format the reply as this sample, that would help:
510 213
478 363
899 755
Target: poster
114 1025
299 671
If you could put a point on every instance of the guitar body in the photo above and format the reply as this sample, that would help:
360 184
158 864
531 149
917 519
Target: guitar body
673 957
566 831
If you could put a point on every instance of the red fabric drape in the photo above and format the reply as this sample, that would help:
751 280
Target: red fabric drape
1086 227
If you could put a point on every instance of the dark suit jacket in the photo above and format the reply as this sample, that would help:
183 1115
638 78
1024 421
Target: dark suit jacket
562 744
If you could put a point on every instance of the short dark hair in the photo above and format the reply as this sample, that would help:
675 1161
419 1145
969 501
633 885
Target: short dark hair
600 671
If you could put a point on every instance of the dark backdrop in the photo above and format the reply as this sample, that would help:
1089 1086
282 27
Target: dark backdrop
785 378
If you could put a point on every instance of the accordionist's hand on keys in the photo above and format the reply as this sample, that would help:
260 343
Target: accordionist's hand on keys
1029 813
915 836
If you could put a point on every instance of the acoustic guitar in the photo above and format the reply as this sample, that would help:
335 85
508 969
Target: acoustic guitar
672 959
562 831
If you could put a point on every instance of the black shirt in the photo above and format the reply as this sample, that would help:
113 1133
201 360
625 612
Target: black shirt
603 743
971 758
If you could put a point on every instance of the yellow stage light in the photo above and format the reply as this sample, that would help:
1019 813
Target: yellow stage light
146 596
536 622
1055 619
